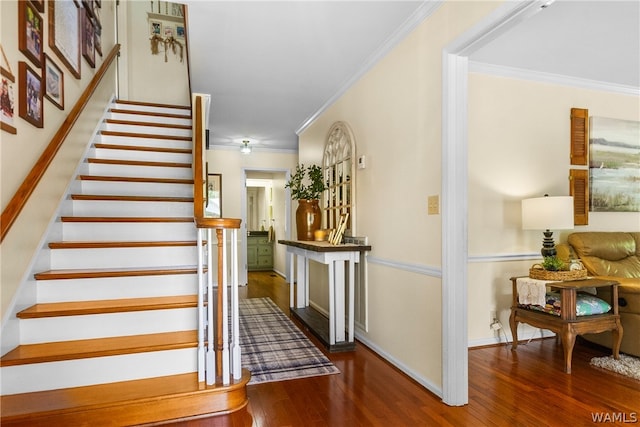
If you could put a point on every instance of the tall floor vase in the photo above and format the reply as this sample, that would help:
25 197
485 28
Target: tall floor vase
308 218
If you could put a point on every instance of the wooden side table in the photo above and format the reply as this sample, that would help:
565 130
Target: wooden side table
568 325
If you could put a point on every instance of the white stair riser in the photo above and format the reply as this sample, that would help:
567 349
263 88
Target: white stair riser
115 208
142 142
67 328
139 171
152 109
123 257
116 287
128 231
136 188
83 372
145 156
146 129
151 119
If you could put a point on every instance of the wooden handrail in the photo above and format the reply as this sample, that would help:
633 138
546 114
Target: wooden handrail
20 198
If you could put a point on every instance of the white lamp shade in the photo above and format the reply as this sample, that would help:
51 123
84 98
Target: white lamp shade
547 213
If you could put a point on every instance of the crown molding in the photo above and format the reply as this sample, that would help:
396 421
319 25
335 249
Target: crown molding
542 77
425 10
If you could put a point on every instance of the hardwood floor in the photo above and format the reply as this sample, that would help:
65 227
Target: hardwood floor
523 388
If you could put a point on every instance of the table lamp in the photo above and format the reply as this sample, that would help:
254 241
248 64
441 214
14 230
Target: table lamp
547 213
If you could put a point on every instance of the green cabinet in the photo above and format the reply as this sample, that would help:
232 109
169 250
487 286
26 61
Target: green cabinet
259 253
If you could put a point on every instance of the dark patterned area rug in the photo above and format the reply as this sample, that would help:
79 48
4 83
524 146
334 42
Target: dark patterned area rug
273 348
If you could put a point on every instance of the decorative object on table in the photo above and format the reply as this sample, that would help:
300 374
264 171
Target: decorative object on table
54 82
273 348
30 95
308 214
553 268
30 37
8 96
335 236
547 213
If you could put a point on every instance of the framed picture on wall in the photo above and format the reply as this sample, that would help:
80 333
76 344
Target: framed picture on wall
7 101
39 4
155 28
88 39
98 39
30 95
214 195
53 82
30 28
64 33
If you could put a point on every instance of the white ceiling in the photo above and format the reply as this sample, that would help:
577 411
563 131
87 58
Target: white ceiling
271 65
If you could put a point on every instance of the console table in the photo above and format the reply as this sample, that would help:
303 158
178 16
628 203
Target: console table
330 331
568 325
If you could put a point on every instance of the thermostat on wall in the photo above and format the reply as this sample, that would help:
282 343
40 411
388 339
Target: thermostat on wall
361 162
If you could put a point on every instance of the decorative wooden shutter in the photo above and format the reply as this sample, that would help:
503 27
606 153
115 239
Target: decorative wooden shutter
579 136
579 189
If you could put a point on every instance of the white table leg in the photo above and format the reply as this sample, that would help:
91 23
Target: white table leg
292 279
339 298
332 303
302 281
352 266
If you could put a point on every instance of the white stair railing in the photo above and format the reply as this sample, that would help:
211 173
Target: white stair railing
219 352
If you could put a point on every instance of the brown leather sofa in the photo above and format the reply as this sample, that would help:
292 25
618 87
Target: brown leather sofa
614 255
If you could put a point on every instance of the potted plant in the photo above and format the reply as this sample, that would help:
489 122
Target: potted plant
306 187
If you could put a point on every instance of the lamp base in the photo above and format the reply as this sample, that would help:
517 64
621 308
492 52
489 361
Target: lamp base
548 245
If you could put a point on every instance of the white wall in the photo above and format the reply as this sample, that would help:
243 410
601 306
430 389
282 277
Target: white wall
519 148
147 77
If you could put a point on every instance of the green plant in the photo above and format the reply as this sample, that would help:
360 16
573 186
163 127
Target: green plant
299 190
552 263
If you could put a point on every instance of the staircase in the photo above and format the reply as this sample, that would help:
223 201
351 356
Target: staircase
113 337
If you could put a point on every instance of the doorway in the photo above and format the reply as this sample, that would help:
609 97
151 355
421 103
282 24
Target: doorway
266 212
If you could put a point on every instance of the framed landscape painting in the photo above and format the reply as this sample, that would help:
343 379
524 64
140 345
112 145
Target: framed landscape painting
614 167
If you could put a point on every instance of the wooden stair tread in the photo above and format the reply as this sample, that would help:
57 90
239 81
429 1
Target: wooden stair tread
148 113
142 148
149 124
135 179
78 308
86 403
94 273
98 347
153 104
138 163
128 244
109 197
146 135
124 219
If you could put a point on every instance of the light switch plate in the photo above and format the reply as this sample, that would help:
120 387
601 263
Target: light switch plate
433 205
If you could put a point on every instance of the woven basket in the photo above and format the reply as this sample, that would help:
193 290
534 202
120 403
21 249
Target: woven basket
537 272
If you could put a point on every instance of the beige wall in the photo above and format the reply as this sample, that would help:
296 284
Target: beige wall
231 163
143 73
519 148
395 114
20 151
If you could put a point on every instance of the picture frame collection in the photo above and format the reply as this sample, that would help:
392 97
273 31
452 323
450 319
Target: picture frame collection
74 30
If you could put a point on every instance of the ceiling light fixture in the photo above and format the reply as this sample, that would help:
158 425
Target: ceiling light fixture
245 147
